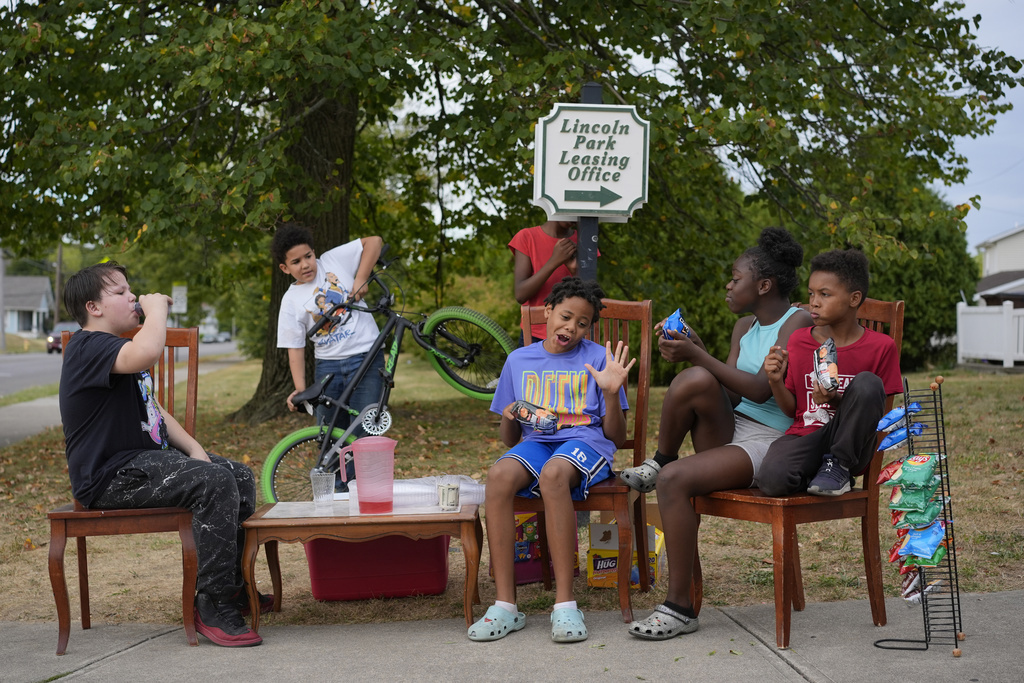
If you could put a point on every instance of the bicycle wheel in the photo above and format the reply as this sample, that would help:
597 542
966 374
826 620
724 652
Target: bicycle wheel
285 475
469 336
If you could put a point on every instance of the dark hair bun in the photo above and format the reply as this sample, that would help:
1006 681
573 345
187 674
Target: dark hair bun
778 245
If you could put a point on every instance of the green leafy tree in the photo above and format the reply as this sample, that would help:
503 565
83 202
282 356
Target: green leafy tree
132 124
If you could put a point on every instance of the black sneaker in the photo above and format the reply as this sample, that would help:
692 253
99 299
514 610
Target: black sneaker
223 624
832 479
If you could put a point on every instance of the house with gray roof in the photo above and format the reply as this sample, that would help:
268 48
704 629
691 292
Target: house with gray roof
28 304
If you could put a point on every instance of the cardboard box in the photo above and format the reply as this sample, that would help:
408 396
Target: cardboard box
389 567
603 556
527 567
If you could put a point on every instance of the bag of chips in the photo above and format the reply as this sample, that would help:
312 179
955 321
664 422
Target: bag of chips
910 519
540 419
898 437
897 417
923 542
916 471
826 372
675 323
911 499
933 561
885 474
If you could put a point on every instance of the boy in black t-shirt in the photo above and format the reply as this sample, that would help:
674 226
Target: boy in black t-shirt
125 451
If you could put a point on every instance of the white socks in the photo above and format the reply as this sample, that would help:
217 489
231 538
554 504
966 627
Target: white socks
564 605
507 606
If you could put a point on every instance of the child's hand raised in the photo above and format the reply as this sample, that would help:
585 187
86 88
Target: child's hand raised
615 371
775 364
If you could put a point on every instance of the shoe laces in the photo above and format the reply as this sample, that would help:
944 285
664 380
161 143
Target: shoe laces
230 614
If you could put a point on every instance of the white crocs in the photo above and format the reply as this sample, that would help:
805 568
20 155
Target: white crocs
497 623
567 626
643 477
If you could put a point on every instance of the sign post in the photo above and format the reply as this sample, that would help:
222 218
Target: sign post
590 165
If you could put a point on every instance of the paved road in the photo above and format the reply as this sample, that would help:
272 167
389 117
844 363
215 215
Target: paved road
20 371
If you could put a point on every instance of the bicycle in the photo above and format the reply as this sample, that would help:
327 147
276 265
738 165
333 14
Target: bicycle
465 347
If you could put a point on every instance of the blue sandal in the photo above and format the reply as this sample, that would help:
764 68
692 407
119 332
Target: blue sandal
567 626
497 623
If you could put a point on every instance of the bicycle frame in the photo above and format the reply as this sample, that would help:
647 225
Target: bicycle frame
396 324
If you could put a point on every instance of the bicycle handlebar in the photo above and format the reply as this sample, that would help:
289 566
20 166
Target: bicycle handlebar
350 304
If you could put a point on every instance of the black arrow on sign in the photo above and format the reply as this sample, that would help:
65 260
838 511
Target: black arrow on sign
604 195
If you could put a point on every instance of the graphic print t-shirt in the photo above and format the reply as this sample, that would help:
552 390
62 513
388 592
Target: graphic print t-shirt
873 352
304 304
108 418
561 384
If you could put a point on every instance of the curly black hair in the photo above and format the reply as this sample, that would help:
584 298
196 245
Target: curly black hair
286 237
776 256
849 265
571 287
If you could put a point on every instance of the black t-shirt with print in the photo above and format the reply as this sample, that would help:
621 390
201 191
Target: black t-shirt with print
108 418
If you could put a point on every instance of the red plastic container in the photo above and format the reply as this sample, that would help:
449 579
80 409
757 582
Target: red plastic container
389 567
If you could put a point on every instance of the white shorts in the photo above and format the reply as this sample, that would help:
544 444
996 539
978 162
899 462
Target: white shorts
754 438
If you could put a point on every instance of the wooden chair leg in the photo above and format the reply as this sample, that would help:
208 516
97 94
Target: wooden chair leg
782 551
697 581
542 547
58 541
625 561
83 582
189 574
640 533
796 574
873 568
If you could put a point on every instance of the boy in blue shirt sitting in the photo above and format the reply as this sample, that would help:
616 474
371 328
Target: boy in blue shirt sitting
583 384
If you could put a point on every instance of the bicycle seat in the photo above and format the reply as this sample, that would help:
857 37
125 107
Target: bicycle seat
311 394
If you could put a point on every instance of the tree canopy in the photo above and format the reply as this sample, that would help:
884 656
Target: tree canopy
140 126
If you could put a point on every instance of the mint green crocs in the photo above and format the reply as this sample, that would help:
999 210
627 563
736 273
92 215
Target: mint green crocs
496 623
567 626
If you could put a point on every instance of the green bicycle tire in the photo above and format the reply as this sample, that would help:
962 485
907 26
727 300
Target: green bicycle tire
285 474
490 342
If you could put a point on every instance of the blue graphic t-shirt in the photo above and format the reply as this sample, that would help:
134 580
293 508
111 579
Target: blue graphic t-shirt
561 384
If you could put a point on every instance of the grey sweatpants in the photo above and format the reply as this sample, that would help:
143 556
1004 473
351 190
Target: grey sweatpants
221 495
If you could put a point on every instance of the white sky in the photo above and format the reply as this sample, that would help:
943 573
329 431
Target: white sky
996 161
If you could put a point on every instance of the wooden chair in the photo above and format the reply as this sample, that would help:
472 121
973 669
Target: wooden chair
785 512
615 323
76 521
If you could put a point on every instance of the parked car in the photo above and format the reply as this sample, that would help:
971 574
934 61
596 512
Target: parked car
223 336
53 339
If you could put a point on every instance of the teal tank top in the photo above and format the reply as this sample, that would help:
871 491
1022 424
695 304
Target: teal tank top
754 346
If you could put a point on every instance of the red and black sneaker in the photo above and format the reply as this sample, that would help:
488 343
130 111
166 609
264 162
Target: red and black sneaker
242 602
222 623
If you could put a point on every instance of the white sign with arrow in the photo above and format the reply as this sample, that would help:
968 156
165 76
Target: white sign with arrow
591 160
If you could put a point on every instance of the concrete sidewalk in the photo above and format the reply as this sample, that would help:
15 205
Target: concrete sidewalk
830 642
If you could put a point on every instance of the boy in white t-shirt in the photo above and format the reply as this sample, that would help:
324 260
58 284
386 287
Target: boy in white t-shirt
340 274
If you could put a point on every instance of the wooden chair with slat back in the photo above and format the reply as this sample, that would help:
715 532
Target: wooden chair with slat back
76 521
617 319
785 512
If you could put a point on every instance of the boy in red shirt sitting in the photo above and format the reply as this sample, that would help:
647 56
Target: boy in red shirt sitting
833 432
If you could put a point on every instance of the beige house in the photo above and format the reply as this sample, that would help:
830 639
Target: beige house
1002 270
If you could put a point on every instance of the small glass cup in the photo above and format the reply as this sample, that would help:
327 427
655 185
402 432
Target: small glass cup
323 487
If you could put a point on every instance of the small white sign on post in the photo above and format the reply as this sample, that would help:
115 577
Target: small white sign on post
591 160
179 294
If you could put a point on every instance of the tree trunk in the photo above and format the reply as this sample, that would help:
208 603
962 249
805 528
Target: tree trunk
322 158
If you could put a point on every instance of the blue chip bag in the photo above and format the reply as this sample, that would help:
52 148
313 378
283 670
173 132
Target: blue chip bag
923 542
897 417
897 438
675 323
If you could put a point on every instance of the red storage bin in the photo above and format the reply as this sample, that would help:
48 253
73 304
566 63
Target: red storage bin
389 567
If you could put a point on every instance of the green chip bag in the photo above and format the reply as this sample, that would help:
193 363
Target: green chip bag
933 561
916 471
913 500
903 519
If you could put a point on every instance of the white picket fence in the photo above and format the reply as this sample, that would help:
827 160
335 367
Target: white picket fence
991 333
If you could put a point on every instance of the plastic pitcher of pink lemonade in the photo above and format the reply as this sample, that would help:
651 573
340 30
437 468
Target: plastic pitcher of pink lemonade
375 471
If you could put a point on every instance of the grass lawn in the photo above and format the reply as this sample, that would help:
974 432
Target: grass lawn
137 578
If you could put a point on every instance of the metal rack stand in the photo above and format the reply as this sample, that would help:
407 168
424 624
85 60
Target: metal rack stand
940 603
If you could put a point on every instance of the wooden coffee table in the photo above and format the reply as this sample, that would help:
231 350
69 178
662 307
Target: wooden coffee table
260 530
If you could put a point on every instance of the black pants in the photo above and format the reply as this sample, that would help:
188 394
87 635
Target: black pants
221 495
792 461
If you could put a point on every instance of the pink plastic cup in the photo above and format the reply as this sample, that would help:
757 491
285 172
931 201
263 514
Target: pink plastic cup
375 473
